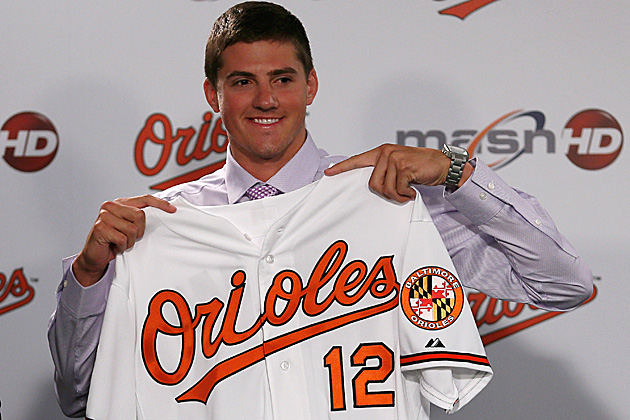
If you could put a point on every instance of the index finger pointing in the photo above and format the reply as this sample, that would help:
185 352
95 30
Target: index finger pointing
362 160
148 200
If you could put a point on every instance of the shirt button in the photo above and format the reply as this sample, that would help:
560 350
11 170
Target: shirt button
285 365
280 231
483 195
249 238
491 186
538 222
269 258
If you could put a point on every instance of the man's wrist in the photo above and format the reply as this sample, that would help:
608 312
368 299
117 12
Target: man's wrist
82 301
458 157
84 276
466 174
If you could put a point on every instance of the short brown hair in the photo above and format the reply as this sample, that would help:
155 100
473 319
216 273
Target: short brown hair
255 21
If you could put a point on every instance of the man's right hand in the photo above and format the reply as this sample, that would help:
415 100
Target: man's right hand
119 225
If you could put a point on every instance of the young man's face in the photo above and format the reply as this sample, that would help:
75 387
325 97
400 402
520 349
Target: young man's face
262 94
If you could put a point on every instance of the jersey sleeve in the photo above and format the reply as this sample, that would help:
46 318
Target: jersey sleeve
112 391
441 353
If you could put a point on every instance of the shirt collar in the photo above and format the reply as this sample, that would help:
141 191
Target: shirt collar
297 173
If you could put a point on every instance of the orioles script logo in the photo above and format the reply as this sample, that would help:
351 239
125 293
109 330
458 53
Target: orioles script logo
158 137
497 319
15 291
465 8
352 283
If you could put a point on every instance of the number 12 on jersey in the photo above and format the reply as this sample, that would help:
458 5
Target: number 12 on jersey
361 395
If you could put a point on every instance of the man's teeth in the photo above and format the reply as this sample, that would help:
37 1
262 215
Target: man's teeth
266 120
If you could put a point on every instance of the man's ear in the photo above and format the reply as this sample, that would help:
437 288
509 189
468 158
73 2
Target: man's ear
311 86
211 95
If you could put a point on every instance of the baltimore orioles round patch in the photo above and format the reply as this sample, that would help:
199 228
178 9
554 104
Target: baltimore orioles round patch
432 298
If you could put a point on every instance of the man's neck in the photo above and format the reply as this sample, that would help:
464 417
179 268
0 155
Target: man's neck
264 169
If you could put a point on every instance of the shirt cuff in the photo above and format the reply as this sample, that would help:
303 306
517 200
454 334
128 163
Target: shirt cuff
482 196
80 301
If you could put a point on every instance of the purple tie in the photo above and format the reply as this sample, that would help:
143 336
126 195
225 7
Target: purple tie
260 190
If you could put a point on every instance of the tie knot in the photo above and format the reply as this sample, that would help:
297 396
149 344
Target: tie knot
261 190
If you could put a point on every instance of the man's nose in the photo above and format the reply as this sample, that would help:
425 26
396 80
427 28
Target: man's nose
265 98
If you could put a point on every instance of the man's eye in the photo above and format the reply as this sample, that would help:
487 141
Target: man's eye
242 82
284 80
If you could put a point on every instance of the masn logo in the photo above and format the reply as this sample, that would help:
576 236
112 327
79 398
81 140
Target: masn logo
591 139
28 141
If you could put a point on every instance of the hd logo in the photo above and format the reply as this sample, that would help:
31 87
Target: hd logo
28 141
594 138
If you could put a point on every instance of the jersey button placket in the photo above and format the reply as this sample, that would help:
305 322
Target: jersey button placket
267 269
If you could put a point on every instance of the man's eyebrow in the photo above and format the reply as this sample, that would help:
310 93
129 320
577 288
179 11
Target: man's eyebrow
276 72
285 70
238 73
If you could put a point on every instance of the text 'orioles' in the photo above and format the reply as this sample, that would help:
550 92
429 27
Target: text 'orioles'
352 283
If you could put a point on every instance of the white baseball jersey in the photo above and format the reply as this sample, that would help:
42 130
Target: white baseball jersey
328 302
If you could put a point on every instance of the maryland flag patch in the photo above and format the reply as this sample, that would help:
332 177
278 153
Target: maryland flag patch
432 298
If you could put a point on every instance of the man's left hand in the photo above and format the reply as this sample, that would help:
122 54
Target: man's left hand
396 167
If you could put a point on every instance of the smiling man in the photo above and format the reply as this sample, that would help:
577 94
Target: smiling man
260 77
262 91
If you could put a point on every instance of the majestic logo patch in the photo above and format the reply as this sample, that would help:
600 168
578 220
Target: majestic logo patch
434 342
432 298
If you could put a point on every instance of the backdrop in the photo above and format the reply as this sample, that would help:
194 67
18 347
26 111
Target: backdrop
103 99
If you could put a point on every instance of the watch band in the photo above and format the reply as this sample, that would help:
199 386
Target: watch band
459 156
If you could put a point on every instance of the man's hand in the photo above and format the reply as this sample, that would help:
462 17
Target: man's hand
397 167
119 225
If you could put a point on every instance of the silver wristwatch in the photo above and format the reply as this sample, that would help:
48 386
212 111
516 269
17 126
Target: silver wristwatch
458 156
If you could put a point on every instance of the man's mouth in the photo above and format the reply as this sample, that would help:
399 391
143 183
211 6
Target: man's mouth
265 121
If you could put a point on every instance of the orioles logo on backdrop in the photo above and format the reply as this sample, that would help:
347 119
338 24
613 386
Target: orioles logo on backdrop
497 319
158 142
432 298
462 9
14 291
377 288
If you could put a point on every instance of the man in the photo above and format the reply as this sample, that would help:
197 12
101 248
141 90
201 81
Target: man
260 77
